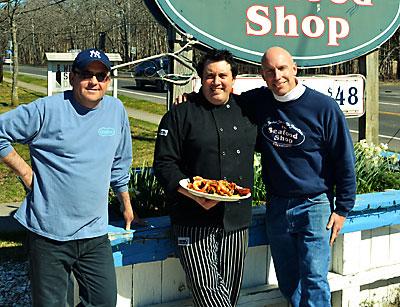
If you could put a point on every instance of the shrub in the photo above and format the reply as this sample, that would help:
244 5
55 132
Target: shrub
259 192
147 196
376 170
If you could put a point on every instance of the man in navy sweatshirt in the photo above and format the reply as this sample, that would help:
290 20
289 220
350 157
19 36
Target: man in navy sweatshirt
308 170
80 145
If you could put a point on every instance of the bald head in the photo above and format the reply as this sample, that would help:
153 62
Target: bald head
274 52
279 70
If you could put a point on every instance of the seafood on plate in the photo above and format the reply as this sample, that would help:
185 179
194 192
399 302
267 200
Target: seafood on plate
217 187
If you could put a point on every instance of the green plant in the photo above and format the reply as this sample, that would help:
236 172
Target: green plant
376 169
147 196
259 192
391 300
11 246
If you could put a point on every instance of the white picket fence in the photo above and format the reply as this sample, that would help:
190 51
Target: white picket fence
365 261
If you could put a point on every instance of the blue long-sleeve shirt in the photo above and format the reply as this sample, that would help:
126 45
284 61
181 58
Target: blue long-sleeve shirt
76 154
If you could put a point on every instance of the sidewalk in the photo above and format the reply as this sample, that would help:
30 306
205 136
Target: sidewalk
7 222
134 113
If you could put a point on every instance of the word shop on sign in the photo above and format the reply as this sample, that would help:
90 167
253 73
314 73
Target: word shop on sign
259 22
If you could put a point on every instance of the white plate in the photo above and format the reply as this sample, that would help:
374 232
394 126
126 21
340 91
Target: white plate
184 182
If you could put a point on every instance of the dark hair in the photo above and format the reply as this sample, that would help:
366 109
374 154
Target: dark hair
217 56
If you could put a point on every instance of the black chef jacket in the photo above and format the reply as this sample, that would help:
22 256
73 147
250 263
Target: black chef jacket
215 142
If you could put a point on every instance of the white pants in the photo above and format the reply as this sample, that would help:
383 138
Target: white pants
213 261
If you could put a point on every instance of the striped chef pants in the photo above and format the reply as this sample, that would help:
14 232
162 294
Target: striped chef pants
213 261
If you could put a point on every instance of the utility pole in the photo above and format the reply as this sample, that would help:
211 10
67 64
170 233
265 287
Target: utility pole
368 124
176 42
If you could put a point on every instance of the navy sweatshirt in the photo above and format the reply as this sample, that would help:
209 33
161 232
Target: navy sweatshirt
305 145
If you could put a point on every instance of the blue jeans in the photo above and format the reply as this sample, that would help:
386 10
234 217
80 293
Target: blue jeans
299 241
90 260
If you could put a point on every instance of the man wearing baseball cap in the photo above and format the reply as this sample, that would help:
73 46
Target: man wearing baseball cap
80 145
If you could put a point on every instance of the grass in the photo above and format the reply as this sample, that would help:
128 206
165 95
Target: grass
143 105
11 246
143 142
24 96
11 189
28 79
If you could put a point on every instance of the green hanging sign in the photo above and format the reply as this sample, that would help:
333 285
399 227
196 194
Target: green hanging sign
316 32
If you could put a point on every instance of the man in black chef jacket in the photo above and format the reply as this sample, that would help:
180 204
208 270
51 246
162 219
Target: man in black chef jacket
210 136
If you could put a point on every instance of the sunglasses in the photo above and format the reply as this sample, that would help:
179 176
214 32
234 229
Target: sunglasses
100 76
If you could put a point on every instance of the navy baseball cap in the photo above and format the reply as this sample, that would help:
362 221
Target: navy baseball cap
85 57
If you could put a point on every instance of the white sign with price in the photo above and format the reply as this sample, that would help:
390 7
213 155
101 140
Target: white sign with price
347 90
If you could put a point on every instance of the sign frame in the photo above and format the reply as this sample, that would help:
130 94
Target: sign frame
178 14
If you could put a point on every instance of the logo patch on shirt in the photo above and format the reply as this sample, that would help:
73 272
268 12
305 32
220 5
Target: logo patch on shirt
163 132
106 131
282 134
183 241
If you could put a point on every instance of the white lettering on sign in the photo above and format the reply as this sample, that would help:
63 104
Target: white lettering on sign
258 23
263 21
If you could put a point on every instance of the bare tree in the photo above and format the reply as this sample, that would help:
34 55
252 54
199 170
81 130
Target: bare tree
123 26
12 8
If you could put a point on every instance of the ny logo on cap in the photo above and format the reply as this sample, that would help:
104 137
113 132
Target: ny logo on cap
95 54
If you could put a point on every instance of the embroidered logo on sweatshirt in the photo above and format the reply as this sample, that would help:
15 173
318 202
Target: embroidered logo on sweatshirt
106 131
282 134
163 132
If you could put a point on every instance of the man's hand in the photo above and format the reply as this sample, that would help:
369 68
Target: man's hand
335 223
183 98
18 165
204 202
129 216
127 211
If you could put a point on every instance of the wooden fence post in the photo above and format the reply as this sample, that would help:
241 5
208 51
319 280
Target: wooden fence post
368 124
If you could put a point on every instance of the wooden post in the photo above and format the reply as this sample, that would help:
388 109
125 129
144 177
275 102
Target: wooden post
368 124
176 42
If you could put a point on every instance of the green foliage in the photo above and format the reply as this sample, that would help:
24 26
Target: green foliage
259 192
147 196
11 190
24 96
376 169
29 79
151 107
392 300
11 246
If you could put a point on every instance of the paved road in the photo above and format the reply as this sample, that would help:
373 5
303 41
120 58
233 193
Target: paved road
389 106
389 117
138 114
126 86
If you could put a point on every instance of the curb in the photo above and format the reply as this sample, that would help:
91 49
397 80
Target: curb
7 221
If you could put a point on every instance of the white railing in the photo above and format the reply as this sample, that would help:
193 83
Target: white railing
365 260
